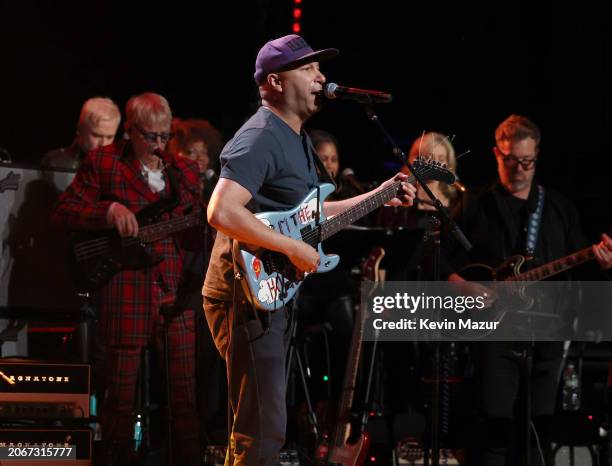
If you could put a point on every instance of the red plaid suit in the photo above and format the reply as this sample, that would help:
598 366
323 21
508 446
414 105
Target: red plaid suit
128 305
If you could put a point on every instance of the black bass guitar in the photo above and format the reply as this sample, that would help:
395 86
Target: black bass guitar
98 256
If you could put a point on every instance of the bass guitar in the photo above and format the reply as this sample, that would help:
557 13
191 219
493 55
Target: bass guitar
98 256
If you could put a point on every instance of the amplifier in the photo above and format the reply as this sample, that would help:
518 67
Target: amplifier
34 261
214 455
42 390
80 438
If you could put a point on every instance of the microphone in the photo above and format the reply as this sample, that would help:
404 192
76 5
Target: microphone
163 156
459 185
5 156
334 91
210 176
349 175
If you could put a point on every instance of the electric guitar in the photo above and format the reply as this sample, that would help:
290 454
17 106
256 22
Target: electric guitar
517 299
269 279
510 269
342 451
100 255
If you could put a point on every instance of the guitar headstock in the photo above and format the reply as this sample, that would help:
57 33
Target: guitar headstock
428 169
10 181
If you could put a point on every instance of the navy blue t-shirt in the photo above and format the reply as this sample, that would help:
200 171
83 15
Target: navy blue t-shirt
276 166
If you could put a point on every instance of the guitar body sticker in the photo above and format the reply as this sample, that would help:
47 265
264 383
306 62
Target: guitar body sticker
256 266
268 290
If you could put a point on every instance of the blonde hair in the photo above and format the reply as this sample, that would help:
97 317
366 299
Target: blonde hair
425 144
148 109
96 110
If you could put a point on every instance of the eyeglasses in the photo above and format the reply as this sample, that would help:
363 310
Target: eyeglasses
151 137
512 160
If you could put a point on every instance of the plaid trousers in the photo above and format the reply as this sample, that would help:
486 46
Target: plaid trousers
122 367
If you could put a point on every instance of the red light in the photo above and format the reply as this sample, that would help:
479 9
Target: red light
590 417
373 459
297 13
296 27
297 2
372 413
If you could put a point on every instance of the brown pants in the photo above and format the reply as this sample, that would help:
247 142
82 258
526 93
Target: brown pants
256 379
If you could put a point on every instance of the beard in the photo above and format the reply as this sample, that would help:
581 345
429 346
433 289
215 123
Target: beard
514 185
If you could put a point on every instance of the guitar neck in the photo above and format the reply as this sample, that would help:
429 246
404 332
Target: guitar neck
157 231
557 266
361 209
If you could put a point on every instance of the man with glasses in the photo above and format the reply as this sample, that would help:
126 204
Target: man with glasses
497 223
113 184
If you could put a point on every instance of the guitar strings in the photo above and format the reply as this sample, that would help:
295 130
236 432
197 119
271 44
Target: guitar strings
91 248
315 234
425 168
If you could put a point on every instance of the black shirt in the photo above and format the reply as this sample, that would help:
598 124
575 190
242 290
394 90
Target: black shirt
495 223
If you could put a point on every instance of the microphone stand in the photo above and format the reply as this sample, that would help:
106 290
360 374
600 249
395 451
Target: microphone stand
399 153
461 239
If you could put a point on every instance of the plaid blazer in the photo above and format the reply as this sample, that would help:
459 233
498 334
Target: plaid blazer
129 303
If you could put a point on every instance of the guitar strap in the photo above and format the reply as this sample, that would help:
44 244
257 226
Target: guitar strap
175 178
533 225
173 198
321 171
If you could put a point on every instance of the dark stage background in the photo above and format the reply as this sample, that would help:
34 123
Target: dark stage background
456 67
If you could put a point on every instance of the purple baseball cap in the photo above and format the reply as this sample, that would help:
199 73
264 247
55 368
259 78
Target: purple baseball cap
286 53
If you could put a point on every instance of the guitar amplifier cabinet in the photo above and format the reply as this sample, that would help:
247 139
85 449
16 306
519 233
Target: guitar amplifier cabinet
43 437
42 390
35 270
215 456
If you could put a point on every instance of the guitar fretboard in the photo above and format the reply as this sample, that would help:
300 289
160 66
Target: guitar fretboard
556 267
361 209
157 231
